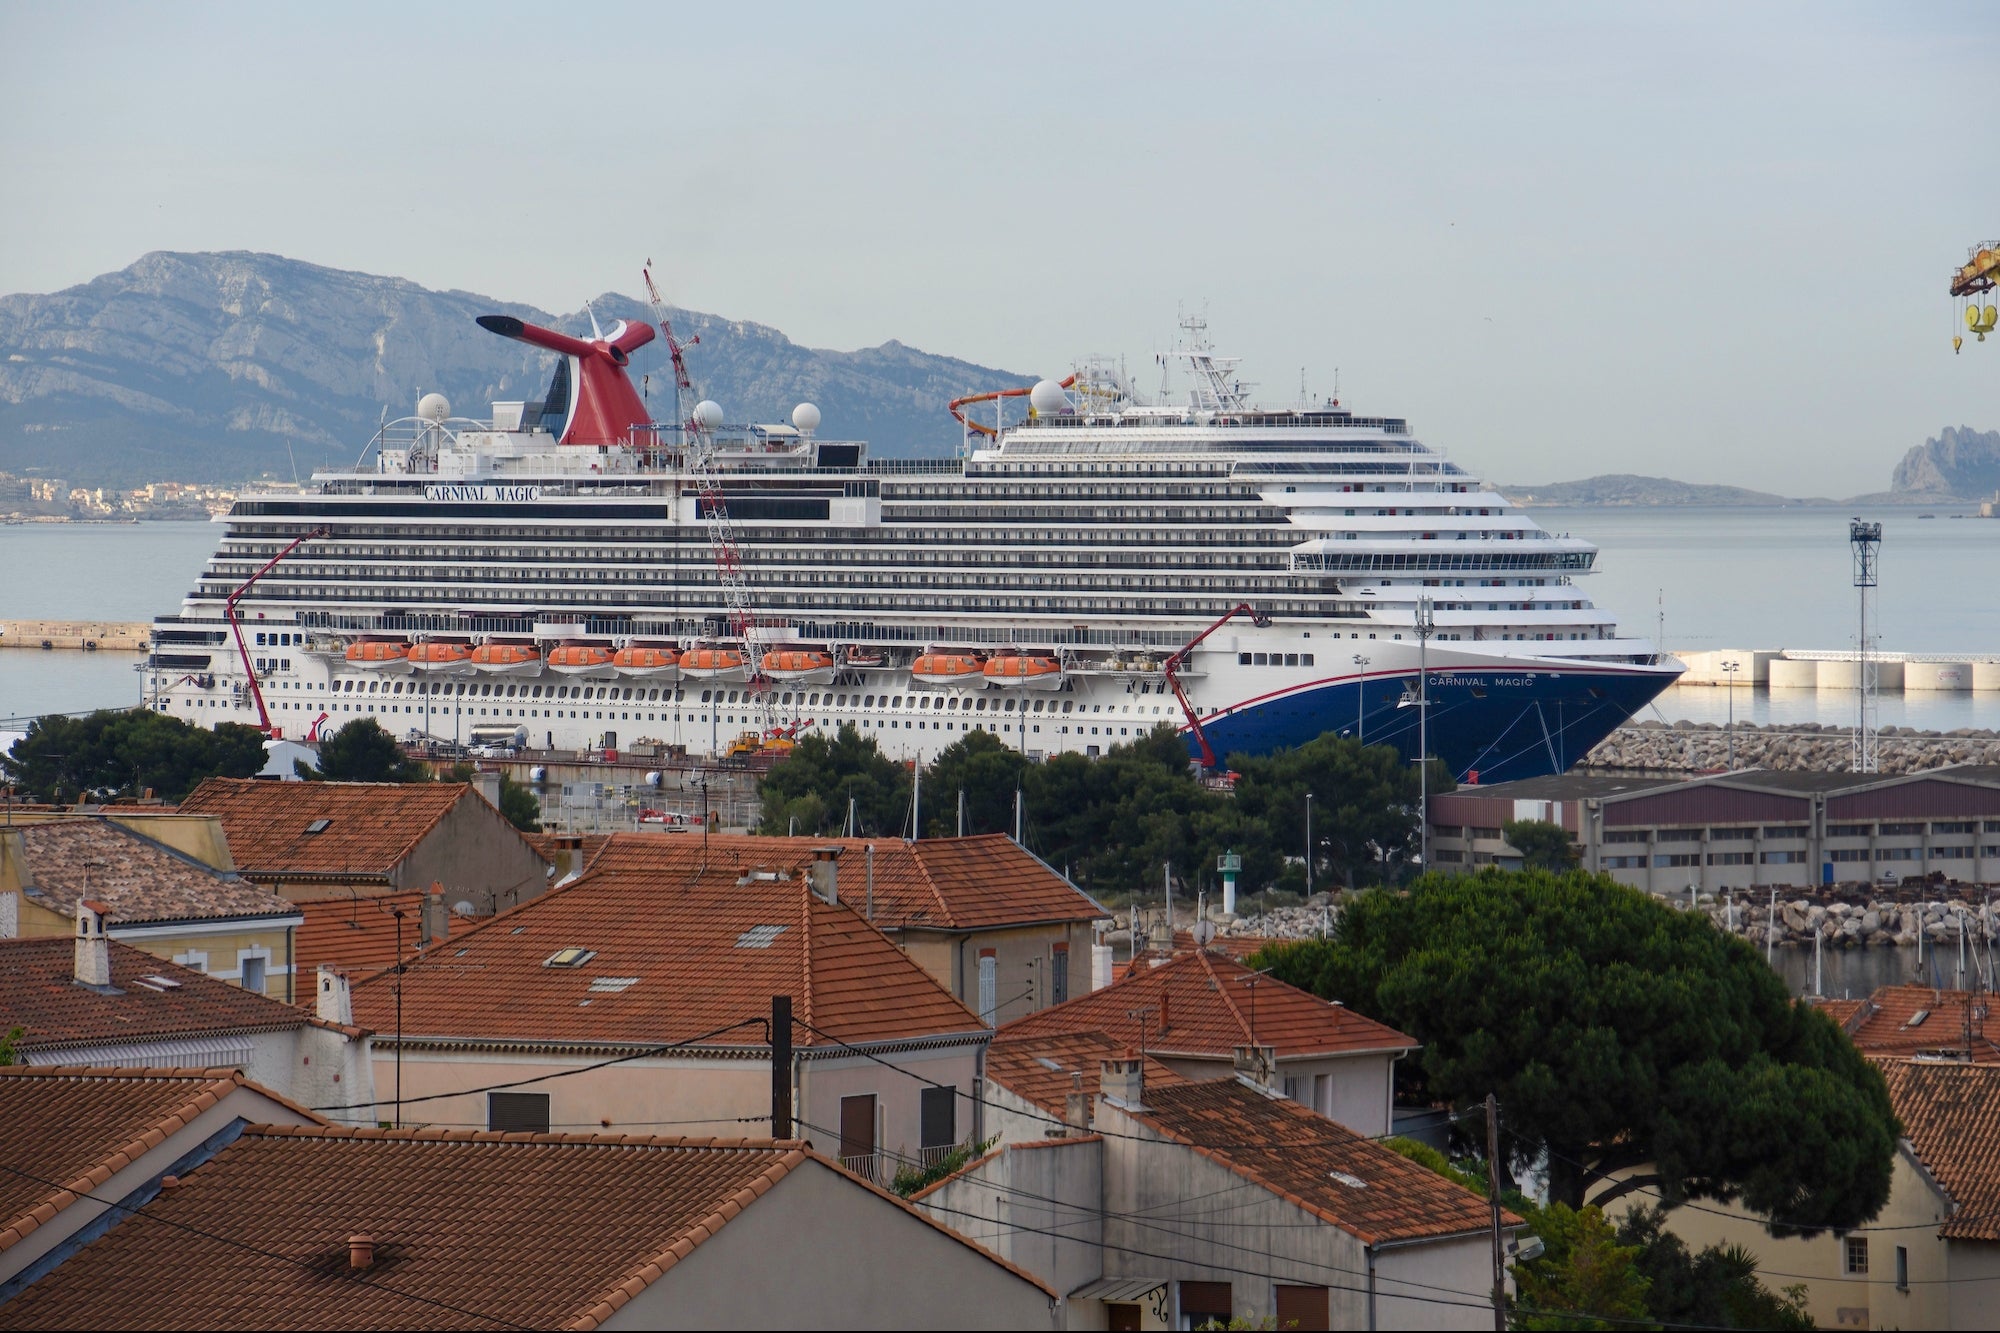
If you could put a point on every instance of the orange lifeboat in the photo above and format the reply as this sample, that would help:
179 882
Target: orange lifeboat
714 664
946 668
581 659
385 655
437 655
656 663
507 659
1033 671
804 665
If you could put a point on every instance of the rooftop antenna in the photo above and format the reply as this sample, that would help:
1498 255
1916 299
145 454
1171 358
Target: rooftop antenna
1866 539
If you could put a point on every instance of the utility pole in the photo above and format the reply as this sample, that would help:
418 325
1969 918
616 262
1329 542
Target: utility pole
1493 1199
1361 698
1018 819
1309 844
781 1066
1425 625
961 812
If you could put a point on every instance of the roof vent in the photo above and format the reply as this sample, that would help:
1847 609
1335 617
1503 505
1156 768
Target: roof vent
570 957
759 937
1352 1182
360 1252
318 826
612 985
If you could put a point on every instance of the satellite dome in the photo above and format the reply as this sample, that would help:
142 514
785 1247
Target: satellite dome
708 414
1047 397
806 417
433 407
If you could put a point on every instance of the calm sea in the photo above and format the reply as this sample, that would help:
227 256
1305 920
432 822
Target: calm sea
1716 578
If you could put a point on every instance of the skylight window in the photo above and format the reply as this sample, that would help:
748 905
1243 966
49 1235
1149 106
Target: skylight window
1916 1019
570 957
1352 1182
612 985
759 937
158 983
318 826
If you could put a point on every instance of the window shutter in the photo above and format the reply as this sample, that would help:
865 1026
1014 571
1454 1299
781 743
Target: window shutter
989 969
940 1117
517 1112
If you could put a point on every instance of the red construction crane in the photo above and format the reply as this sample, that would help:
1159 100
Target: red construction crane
676 350
1180 657
243 649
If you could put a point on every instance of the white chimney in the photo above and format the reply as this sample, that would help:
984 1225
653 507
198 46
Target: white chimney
1123 1080
487 783
1259 1064
1076 1108
824 873
335 1003
93 947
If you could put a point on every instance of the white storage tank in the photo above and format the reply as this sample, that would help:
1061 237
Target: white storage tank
1986 675
1943 676
1789 675
1844 673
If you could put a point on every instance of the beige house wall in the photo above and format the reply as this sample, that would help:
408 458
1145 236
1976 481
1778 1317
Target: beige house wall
820 1251
1353 1090
677 1094
1972 1297
1036 1207
478 856
1024 963
217 948
1834 1299
246 1104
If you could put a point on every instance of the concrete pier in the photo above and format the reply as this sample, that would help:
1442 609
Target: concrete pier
76 635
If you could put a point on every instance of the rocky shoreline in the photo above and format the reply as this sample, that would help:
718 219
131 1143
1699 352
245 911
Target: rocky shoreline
1684 748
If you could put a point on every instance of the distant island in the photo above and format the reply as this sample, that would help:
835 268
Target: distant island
1958 466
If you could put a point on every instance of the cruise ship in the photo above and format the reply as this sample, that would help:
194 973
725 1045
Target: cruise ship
571 573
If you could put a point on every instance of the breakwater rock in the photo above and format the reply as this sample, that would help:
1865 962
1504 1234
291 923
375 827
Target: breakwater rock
1850 920
1699 747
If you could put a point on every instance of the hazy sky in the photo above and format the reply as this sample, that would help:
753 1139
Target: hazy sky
1710 242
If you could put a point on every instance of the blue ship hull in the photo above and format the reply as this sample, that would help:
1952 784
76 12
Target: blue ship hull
1486 725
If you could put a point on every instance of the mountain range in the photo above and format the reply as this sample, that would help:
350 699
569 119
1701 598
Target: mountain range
222 367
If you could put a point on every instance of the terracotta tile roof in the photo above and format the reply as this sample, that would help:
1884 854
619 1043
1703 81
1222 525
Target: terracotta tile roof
548 844
954 884
1314 1162
1951 1116
371 826
71 1130
1201 1004
1022 1066
356 935
1847 1013
68 860
673 955
1239 947
38 992
470 1230
1887 1024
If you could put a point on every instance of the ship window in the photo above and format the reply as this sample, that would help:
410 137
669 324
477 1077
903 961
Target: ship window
511 689
982 705
898 703
1066 704
652 694
536 692
374 685
704 695
397 688
1291 659
1260 659
1305 659
486 691
1242 659
813 702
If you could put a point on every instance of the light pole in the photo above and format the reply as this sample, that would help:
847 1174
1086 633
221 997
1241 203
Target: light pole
1729 669
1361 698
1309 844
1425 625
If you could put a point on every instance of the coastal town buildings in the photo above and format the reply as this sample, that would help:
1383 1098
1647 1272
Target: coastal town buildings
1737 830
86 999
187 908
1174 1203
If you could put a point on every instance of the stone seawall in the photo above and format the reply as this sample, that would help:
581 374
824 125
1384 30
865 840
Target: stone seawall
76 635
1698 747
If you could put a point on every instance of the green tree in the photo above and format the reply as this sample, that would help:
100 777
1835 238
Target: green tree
1364 809
1543 846
522 808
115 752
810 788
987 771
1585 1278
1619 1035
362 752
1716 1288
10 1042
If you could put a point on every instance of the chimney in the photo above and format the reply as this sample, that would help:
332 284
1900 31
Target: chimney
1123 1080
93 947
487 783
336 1002
824 875
360 1252
437 921
567 856
1076 1108
1259 1064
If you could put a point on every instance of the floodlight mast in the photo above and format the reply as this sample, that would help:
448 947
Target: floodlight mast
1866 539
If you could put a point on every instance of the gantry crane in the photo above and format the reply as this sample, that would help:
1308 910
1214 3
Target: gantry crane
243 649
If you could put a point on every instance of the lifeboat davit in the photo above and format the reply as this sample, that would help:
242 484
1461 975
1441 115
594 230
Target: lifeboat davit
452 658
581 659
507 659
653 663
803 665
1024 670
946 668
714 664
389 656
